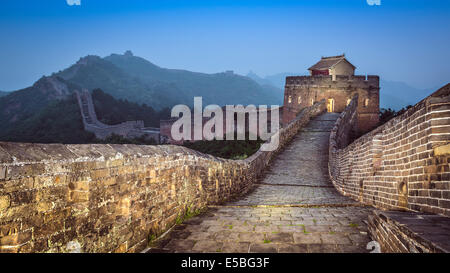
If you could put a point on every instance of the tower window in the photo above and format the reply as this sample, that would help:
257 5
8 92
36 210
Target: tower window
312 101
299 100
289 99
348 101
366 102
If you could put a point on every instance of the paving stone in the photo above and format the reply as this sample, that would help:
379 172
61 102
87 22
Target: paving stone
292 248
317 228
335 239
180 234
309 238
217 222
180 245
216 228
346 229
251 237
291 228
207 247
263 248
266 229
322 248
196 228
199 236
234 247
227 236
280 237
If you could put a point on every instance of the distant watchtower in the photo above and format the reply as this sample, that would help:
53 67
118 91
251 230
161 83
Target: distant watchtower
333 79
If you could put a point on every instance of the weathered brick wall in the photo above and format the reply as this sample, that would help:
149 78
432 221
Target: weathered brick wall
104 198
403 164
409 232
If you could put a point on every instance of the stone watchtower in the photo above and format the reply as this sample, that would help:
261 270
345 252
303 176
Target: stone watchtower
333 79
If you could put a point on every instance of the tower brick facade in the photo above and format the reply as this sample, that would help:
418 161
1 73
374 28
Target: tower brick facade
333 79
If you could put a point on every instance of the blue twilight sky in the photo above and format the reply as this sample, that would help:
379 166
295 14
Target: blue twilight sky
400 40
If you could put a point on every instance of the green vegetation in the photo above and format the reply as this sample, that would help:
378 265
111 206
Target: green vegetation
112 111
134 89
188 214
151 238
60 121
20 106
388 114
229 149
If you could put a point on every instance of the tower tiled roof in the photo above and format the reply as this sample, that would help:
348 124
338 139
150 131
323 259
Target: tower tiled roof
329 62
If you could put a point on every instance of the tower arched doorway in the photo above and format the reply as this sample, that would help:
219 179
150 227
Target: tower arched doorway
330 105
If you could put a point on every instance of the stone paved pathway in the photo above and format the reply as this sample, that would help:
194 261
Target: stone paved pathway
294 208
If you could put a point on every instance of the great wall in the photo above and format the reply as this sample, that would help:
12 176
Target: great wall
128 129
118 198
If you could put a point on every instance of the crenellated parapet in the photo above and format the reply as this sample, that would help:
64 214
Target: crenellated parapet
370 81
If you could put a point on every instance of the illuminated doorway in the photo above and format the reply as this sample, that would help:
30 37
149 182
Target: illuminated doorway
330 105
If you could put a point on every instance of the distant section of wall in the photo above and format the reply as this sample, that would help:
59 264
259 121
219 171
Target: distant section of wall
113 198
129 129
403 164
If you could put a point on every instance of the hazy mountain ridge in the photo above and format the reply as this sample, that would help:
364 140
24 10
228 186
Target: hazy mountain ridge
3 93
219 88
260 80
277 80
93 72
134 79
20 105
397 95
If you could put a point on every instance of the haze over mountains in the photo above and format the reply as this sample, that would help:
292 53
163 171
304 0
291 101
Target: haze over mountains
134 79
394 95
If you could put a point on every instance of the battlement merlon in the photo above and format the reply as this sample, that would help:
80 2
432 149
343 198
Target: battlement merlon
359 80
